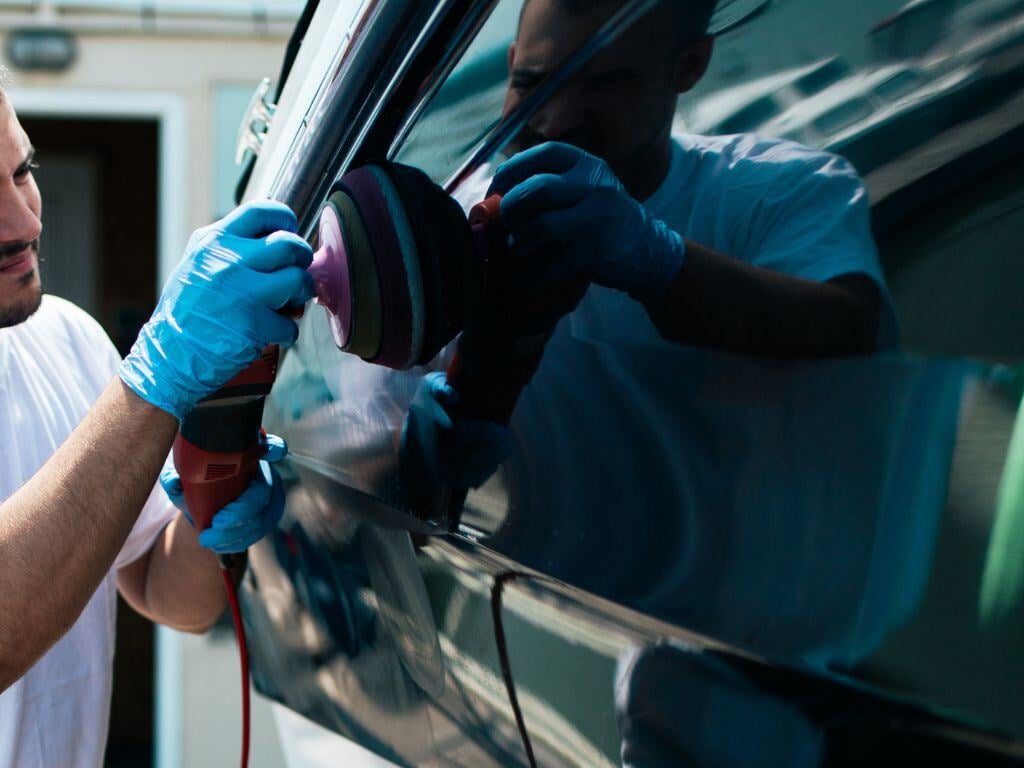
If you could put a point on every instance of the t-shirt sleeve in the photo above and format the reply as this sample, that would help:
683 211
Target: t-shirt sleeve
157 513
98 365
814 221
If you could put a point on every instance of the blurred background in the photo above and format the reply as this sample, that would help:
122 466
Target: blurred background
134 107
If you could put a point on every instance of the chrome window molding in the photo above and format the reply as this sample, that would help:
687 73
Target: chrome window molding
371 84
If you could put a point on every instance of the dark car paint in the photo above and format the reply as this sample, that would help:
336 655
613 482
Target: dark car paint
570 619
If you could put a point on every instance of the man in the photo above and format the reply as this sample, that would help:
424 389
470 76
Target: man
736 243
83 448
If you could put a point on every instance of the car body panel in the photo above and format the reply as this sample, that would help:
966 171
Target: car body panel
825 574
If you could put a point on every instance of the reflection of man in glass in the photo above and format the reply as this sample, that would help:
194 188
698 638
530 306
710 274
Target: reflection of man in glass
739 243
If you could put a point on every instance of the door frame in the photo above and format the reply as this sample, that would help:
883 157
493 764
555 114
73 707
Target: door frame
170 112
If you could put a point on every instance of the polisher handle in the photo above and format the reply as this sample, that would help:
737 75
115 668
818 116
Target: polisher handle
219 446
210 481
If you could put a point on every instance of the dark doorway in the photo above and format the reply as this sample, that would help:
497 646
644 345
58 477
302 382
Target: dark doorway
98 180
99 184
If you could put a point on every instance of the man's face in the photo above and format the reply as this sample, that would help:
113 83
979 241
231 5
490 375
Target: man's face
20 225
620 105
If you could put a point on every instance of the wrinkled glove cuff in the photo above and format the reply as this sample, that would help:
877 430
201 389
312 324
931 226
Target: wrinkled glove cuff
139 374
660 255
152 372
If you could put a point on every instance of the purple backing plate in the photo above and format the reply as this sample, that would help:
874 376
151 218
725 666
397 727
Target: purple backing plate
330 271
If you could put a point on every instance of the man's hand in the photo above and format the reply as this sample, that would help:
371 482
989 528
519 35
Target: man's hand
568 214
220 307
248 518
441 447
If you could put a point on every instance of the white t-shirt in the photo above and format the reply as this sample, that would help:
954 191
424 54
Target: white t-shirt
771 203
745 484
52 369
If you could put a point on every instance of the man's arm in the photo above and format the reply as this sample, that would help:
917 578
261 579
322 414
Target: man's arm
176 583
723 303
60 532
568 214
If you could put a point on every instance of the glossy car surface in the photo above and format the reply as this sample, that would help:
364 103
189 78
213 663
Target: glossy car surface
691 558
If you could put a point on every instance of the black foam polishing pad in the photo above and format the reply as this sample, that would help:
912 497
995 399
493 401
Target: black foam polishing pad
396 267
445 246
396 299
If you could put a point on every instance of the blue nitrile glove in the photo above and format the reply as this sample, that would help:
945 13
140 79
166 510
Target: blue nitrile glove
220 307
248 518
568 214
442 447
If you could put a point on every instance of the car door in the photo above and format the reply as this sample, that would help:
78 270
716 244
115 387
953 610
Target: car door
690 557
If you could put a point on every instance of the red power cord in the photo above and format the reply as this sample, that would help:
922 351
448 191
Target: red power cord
243 653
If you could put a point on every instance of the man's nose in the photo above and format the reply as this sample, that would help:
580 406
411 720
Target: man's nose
18 221
561 115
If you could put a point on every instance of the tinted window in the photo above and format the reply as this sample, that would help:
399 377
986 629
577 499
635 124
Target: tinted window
843 116
750 117
822 76
899 85
856 514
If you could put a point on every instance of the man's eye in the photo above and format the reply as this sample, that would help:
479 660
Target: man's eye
525 82
25 170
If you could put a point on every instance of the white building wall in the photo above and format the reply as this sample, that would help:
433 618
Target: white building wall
175 80
182 69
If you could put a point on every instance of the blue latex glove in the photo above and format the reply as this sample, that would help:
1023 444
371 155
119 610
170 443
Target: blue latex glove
568 214
442 447
248 518
220 307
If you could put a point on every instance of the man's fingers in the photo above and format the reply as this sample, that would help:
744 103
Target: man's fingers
550 157
276 251
540 233
276 447
259 219
233 532
570 226
539 194
440 390
278 329
290 286
221 544
244 508
171 482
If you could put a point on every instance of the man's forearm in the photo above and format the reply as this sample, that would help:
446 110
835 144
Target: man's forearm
719 302
177 583
61 531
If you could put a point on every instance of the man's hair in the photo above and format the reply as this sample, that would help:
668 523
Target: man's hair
692 16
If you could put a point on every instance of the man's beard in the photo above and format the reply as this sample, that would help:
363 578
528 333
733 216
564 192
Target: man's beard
20 310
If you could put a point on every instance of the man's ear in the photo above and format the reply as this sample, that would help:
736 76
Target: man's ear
511 57
693 64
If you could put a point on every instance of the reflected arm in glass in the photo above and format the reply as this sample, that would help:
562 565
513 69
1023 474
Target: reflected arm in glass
736 243
721 302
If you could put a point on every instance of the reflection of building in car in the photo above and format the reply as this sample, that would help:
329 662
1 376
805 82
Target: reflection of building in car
872 115
748 106
935 65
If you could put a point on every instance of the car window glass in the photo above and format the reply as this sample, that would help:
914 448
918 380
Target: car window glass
858 515
899 85
468 104
843 116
